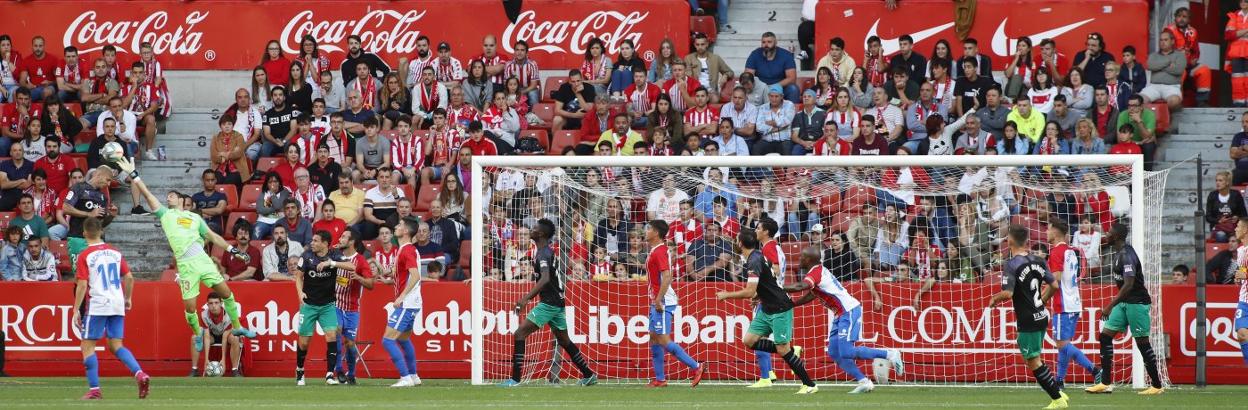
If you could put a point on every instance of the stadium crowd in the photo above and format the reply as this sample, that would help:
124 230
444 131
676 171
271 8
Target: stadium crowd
304 147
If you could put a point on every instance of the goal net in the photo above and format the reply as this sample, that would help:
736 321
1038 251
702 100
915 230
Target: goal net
919 240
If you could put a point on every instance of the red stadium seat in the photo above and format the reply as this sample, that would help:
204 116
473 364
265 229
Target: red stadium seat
233 219
247 200
540 135
545 111
74 108
169 275
563 139
372 247
263 165
6 218
217 253
408 191
552 85
60 250
465 254
840 222
725 91
856 196
1213 248
80 161
427 193
830 203
705 25
1162 112
805 83
231 195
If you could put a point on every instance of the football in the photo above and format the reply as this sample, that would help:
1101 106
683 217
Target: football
112 152
214 369
881 369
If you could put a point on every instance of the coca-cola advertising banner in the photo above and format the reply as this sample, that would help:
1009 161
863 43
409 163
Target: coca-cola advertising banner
997 25
950 335
231 35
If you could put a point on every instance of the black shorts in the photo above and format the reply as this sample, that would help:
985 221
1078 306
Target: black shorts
215 338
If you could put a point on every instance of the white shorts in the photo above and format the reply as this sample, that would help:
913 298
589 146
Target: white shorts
1154 92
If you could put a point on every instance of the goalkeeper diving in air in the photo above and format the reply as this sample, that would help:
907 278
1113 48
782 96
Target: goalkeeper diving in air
186 233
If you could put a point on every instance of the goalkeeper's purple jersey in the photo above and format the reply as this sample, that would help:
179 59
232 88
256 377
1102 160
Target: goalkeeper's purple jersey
830 291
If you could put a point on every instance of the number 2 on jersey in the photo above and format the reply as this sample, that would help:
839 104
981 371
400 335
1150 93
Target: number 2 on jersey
1034 284
110 275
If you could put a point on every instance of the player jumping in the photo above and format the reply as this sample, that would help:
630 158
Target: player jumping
776 317
1066 265
1241 275
104 274
1127 310
663 305
823 285
1021 282
405 308
549 310
186 233
316 275
349 286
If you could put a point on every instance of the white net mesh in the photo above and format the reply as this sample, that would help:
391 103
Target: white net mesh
921 247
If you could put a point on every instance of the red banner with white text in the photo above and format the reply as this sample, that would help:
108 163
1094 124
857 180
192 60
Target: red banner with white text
231 35
998 24
608 321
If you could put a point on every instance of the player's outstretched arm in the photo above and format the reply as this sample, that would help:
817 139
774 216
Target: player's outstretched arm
1000 297
748 291
807 298
797 287
127 166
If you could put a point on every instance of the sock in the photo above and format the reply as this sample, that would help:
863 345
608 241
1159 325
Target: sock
396 355
1150 360
331 356
93 371
1243 348
409 355
656 360
352 354
681 355
1063 361
765 345
1107 358
798 367
337 367
1080 358
578 359
764 364
127 358
193 321
231 309
517 359
1046 381
301 355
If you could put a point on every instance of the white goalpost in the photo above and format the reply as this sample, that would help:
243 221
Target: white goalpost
918 240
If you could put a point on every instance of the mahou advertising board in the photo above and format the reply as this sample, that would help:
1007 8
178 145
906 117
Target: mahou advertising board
231 35
947 341
998 24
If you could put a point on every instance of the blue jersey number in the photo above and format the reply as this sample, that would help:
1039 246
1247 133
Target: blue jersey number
110 275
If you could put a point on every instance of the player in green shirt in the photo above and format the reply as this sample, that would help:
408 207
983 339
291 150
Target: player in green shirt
186 233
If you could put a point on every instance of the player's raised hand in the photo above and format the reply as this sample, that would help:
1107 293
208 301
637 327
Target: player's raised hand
126 165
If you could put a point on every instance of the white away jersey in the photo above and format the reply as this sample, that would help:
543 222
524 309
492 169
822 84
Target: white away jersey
103 267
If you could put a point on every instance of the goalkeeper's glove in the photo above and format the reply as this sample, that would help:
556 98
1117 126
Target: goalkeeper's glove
127 167
240 254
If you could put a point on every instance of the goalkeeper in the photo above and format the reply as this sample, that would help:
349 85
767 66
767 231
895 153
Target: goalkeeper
186 233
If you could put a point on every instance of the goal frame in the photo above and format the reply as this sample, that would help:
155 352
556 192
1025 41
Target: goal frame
479 163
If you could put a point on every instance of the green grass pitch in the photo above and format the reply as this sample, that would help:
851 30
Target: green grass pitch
251 393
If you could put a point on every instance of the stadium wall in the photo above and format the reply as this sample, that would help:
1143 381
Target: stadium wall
41 340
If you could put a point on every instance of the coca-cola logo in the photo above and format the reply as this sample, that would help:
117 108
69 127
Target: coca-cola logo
89 34
612 27
380 31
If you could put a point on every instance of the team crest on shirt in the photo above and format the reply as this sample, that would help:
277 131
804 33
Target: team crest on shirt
184 222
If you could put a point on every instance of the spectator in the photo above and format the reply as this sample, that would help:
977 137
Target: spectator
712 71
664 203
412 71
453 198
665 116
526 71
377 68
12 266
889 120
803 209
404 213
1051 61
428 96
943 85
9 65
1223 208
367 87
807 127
299 93
1042 92
661 68
709 256
32 224
1143 125
46 199
844 115
641 97
1079 95
1086 141
841 65
1180 271
210 203
773 65
830 144
1027 121
310 196
327 221
596 70
982 63
143 99
276 64
1185 40
573 98
824 88
774 122
279 124
1063 116
95 93
260 87
235 266
438 148
974 139
892 240
14 178
270 205
38 71
1126 145
1020 71
447 69
325 171
1104 115
61 228
428 251
1239 152
491 59
1011 144
33 147
1130 71
914 64
39 265
15 117
620 136
333 93
870 141
274 254
380 202
1222 266
59 123
1052 142
406 152
700 120
923 256
611 232
372 153
348 201
226 154
248 121
477 87
313 61
1119 92
394 100
298 228
448 233
681 87
902 88
1094 61
993 115
1166 67
918 113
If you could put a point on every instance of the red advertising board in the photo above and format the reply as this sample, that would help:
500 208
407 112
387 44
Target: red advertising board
997 25
951 336
230 35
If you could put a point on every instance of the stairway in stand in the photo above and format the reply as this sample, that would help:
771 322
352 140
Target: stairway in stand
752 18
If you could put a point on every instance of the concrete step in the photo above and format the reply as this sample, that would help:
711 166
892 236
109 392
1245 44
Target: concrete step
1225 128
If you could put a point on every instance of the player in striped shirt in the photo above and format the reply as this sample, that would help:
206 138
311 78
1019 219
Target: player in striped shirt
405 308
1067 266
406 152
701 119
766 233
1241 275
349 287
105 284
663 305
823 285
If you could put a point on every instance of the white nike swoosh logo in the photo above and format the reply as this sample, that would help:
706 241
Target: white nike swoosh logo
1003 45
891 45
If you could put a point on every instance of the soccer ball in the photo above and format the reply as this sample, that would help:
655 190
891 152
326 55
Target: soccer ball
881 369
215 369
112 152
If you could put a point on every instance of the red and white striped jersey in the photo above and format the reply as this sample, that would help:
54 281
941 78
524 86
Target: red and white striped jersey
451 70
307 148
440 149
103 267
416 68
699 116
924 259
1065 259
407 154
153 70
72 75
591 70
839 147
385 260
497 59
463 115
145 95
348 292
642 99
338 146
682 233
310 199
771 251
1242 257
829 290
526 71
678 100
